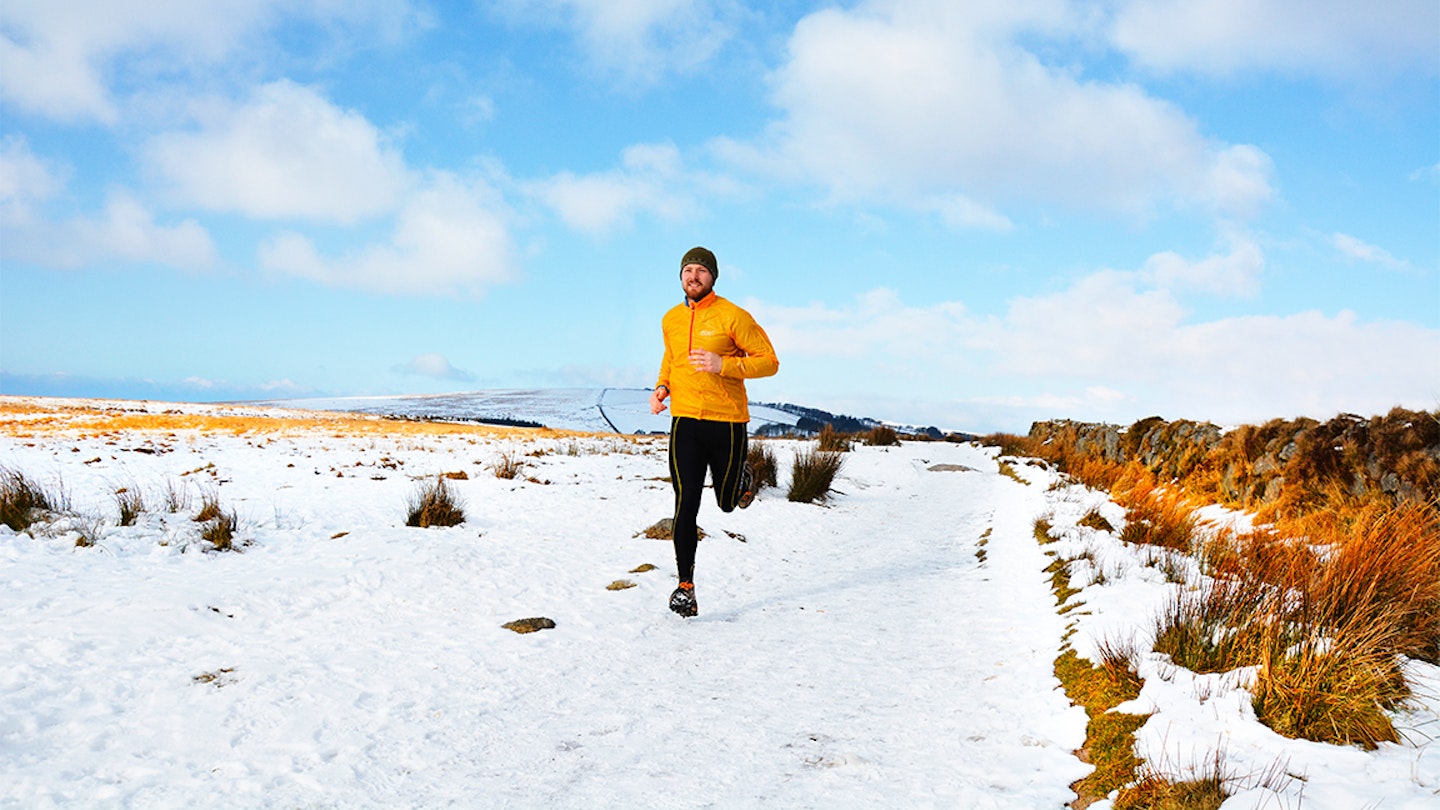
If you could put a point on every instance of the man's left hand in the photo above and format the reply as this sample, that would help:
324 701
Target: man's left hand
701 360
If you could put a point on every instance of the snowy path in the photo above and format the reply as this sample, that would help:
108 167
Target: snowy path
847 656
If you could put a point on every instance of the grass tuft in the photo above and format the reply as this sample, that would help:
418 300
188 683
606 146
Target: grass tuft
1157 518
209 506
813 475
1156 791
22 500
1334 689
434 504
762 465
833 441
130 503
1219 626
508 466
882 436
1096 521
221 530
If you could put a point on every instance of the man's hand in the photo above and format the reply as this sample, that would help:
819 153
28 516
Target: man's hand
657 399
709 362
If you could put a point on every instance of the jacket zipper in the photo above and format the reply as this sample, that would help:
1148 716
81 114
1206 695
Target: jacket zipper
690 342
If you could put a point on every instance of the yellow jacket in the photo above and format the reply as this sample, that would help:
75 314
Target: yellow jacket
719 326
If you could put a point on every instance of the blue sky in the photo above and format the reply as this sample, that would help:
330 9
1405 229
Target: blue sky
964 214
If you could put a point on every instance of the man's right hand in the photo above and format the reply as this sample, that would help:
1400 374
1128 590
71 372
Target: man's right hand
657 401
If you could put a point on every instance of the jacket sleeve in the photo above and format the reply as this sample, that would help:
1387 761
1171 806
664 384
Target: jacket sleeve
664 377
759 358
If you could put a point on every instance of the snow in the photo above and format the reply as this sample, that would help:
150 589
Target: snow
893 647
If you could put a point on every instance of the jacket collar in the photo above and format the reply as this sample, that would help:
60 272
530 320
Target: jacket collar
709 299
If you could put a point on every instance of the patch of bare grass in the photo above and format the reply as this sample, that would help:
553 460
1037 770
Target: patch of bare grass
1007 469
1109 735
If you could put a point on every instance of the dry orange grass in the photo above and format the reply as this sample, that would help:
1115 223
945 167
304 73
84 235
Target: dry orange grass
35 418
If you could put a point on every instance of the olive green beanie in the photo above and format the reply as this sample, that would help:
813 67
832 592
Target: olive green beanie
700 255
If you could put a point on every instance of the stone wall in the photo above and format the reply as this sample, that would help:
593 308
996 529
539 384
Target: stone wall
1395 455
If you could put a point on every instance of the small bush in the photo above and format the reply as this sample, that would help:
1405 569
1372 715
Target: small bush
882 436
433 504
22 500
762 465
813 474
833 441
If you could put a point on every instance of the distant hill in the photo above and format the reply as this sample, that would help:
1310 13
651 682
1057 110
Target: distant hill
597 410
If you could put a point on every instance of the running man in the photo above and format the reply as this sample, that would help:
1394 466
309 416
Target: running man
711 348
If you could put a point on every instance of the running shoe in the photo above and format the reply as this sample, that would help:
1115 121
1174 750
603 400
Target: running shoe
682 601
747 488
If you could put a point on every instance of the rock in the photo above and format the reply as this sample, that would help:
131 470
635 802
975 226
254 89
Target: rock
530 625
664 529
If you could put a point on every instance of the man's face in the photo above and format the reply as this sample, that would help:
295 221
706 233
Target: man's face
697 281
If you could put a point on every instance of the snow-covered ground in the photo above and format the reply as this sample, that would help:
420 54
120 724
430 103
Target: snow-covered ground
893 648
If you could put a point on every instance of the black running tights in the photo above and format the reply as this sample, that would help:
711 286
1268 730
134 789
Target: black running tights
695 445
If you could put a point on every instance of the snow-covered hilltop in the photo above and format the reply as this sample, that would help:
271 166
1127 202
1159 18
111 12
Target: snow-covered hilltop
594 410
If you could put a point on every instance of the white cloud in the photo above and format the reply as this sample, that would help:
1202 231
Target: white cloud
59 54
1320 37
124 231
650 180
24 177
908 102
433 365
450 237
1355 249
286 153
638 41
1431 173
1110 347
1237 273
960 212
